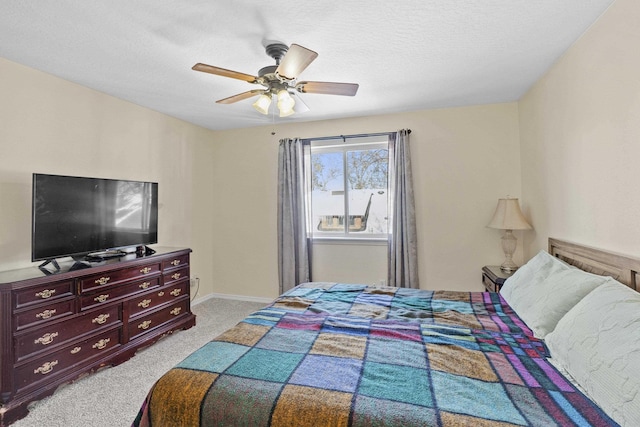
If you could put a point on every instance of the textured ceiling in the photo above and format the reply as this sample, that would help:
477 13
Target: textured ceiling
406 55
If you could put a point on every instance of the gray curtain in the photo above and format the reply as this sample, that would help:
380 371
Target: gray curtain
403 240
294 245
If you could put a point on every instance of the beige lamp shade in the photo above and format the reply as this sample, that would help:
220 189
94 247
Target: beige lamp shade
508 216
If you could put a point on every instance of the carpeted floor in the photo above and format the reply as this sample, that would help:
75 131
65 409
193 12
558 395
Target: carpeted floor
112 396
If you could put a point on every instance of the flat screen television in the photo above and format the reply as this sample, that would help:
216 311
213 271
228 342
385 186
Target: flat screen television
79 216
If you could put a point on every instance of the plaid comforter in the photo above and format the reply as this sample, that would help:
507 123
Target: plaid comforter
333 354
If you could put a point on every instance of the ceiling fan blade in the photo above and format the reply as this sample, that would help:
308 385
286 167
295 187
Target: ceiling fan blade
295 61
328 88
224 72
300 106
240 96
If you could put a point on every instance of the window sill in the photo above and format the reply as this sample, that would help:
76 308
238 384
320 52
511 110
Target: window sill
373 241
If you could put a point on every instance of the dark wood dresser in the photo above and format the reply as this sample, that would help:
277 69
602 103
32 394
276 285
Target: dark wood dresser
56 327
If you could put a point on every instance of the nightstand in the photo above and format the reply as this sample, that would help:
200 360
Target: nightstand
493 278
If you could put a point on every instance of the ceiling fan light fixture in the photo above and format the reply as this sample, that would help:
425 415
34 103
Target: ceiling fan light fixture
280 80
285 103
286 113
262 103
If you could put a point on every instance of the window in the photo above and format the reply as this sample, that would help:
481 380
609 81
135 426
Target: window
349 195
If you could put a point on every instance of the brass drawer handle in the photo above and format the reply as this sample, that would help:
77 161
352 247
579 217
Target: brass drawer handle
144 285
175 262
46 338
103 280
176 292
176 311
101 344
100 320
145 324
46 368
161 293
46 314
76 350
101 298
46 293
144 303
145 270
176 276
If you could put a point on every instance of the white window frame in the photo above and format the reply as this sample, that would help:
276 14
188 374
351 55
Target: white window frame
344 145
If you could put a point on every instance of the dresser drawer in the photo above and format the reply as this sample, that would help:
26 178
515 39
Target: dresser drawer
106 279
175 262
60 332
151 300
149 321
175 275
51 365
44 313
111 293
49 292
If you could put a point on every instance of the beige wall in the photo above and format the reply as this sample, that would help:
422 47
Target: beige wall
464 159
49 125
350 263
580 136
218 189
576 134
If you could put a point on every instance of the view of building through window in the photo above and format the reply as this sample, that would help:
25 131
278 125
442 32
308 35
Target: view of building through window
349 188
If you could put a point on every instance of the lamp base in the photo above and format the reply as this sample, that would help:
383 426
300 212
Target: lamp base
509 247
509 268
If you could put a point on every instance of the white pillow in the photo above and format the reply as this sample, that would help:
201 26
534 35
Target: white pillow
598 343
544 289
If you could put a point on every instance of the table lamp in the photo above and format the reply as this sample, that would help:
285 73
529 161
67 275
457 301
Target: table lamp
508 217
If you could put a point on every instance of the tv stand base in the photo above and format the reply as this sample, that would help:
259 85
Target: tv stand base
51 261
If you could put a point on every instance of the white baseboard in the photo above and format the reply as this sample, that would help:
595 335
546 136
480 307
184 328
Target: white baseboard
229 296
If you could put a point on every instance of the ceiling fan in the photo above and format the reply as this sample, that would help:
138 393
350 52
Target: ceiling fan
280 80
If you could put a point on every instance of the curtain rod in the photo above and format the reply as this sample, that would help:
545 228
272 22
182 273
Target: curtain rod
343 137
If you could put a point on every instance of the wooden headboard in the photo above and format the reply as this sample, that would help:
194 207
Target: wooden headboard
623 268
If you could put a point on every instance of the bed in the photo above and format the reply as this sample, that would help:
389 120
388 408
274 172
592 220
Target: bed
332 354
